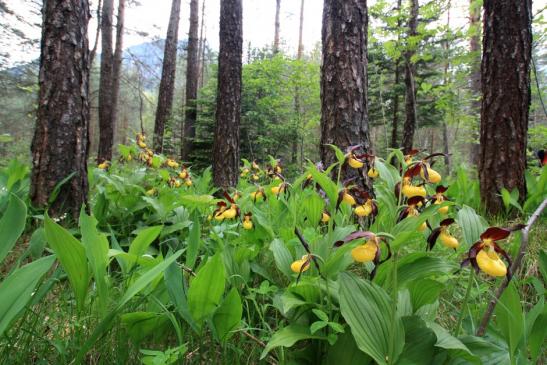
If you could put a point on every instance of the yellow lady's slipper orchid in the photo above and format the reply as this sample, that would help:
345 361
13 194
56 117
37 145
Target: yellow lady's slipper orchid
356 164
410 190
151 192
448 240
183 174
278 189
247 221
489 262
301 265
231 212
325 218
104 165
348 199
366 252
373 173
172 163
434 176
188 182
363 210
255 177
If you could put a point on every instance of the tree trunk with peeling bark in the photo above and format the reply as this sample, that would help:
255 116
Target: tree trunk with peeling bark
505 80
475 76
410 82
228 112
344 118
106 129
61 141
167 82
192 75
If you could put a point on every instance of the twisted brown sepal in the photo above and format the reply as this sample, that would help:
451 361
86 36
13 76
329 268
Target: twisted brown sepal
307 248
354 236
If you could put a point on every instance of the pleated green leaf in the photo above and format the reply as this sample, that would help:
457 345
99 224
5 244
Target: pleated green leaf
12 225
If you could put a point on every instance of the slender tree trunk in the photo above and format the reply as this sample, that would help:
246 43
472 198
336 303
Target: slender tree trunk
344 118
505 75
228 112
116 70
201 45
61 141
475 76
192 75
167 83
395 119
410 74
277 26
97 32
446 81
106 129
297 107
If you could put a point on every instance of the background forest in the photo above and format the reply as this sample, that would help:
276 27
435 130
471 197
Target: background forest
273 182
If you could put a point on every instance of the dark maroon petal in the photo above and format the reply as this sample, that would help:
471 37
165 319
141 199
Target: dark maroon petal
434 155
507 258
403 215
441 189
474 250
354 236
432 239
446 222
495 233
397 190
415 200
228 197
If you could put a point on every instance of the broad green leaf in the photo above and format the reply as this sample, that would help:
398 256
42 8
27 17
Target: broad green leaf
471 223
140 325
510 318
425 291
198 201
537 335
288 336
145 237
206 289
17 289
177 292
96 248
369 312
37 243
282 257
193 241
388 173
330 187
445 340
484 352
346 352
228 315
72 256
340 156
12 225
419 342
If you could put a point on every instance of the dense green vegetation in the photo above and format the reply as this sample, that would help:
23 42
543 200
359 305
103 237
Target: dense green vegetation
244 292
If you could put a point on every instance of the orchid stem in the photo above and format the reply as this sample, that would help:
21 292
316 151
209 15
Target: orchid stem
465 301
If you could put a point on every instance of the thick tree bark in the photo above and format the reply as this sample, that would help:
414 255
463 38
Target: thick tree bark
106 129
60 143
228 112
344 118
201 51
167 83
297 106
117 66
277 26
505 79
192 75
410 74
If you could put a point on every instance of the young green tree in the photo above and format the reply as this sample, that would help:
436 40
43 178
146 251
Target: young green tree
167 82
505 74
228 111
60 144
344 119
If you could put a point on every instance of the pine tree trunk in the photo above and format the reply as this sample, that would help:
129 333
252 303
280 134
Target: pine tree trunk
201 50
97 33
228 112
167 82
60 143
192 75
277 26
410 74
475 76
106 129
344 118
117 66
297 107
395 119
505 76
